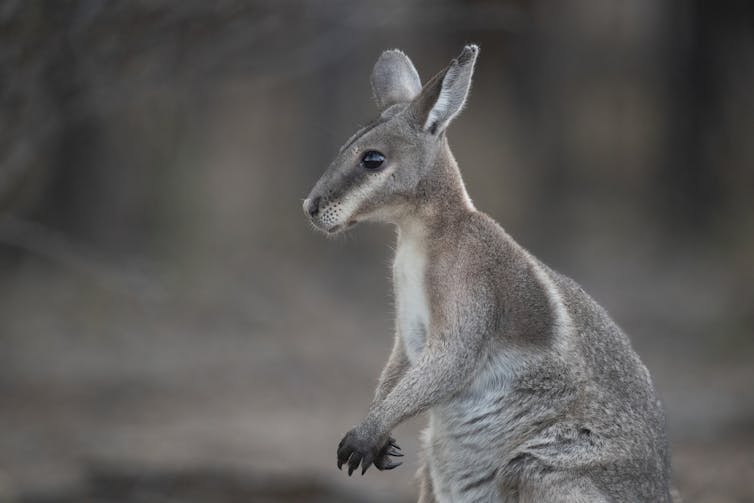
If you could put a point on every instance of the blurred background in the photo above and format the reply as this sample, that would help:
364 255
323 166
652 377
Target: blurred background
171 328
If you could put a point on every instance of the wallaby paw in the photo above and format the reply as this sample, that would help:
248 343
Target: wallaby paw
357 448
383 461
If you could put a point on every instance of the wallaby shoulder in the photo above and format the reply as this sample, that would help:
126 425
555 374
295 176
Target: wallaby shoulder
472 255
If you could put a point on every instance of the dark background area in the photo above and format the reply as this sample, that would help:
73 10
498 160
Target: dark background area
171 329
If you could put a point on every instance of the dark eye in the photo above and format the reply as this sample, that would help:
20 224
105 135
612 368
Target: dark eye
372 160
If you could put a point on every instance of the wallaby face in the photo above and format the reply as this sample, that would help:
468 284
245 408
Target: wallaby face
377 173
534 394
372 176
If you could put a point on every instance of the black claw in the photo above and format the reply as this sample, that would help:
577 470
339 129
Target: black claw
385 463
342 457
353 463
392 464
346 462
366 463
393 452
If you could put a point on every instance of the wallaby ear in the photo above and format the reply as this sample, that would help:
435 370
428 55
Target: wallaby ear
394 79
444 96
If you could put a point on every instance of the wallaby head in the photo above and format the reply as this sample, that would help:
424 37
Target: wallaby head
394 163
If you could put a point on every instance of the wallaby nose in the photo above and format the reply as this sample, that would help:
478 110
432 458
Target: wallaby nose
311 206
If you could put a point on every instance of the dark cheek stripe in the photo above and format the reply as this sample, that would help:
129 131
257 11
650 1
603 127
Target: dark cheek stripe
347 182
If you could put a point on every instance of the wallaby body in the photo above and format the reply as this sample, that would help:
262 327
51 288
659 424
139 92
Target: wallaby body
534 394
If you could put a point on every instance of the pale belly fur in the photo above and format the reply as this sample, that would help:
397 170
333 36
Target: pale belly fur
412 307
460 432
467 438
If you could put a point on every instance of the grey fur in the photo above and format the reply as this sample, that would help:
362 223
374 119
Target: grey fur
534 394
394 79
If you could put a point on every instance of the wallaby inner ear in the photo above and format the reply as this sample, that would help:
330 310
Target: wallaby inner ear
394 79
445 94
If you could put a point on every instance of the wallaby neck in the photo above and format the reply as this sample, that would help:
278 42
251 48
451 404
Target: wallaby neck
441 197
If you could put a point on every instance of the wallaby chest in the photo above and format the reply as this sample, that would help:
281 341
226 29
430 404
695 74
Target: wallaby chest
411 299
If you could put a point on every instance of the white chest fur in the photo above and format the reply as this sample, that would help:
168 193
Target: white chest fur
409 279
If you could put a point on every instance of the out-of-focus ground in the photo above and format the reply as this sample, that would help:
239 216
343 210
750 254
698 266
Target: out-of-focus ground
171 329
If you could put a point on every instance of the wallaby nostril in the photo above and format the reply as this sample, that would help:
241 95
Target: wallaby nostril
313 208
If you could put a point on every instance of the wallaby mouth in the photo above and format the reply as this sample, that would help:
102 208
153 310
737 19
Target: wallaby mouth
335 229
322 216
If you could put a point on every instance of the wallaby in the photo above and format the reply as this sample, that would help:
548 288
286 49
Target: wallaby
534 394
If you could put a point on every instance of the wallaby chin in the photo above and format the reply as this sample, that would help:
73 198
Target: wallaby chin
534 393
340 228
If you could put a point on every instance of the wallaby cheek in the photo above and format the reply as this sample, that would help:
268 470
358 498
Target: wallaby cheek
381 196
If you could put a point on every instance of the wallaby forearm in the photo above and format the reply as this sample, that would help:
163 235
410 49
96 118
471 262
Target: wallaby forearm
438 375
395 368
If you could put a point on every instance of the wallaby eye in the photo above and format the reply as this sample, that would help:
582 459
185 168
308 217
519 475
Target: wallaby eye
372 160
